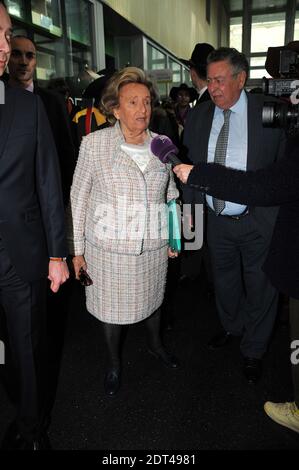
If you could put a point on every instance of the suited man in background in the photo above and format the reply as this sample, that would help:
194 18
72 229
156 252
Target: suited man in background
22 66
198 70
32 247
228 130
193 262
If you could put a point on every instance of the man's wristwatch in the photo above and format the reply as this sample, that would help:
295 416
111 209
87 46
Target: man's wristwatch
57 259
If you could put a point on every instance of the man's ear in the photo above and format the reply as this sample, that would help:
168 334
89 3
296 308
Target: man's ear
242 79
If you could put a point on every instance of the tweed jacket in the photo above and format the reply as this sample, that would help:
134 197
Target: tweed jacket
113 205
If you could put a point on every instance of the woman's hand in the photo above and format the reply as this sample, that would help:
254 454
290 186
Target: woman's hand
78 263
171 253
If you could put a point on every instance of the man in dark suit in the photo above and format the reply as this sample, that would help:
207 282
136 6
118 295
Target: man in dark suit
32 247
192 262
277 183
22 65
198 70
228 130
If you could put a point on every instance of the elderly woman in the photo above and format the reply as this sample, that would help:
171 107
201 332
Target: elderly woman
119 219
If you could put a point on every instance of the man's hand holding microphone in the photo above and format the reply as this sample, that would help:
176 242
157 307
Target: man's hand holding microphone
163 148
183 171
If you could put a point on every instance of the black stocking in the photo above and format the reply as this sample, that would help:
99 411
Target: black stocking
113 335
153 331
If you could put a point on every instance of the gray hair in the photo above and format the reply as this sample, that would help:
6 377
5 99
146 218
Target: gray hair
110 97
235 58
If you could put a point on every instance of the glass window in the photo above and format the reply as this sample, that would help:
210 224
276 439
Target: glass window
157 60
16 8
264 4
296 28
257 61
235 35
80 60
78 21
260 71
268 29
235 5
47 14
45 68
123 46
186 77
176 72
55 50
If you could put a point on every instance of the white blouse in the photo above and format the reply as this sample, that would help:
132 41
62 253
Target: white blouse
141 154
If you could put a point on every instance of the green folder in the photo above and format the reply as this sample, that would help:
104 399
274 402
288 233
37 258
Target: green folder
174 225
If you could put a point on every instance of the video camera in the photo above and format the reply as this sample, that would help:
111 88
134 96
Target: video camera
284 112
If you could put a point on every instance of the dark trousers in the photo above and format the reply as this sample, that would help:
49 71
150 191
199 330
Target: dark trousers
57 314
294 324
245 299
24 372
193 262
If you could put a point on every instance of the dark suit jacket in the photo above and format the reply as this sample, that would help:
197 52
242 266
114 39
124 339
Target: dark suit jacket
276 184
184 154
265 145
204 97
31 208
61 127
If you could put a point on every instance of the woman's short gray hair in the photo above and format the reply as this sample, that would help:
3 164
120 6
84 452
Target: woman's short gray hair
110 96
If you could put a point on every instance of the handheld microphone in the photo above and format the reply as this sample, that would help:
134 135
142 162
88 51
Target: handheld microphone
163 148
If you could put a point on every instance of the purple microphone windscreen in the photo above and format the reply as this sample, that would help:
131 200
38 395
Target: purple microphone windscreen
162 147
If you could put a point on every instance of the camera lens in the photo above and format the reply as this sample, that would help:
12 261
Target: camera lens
268 114
281 115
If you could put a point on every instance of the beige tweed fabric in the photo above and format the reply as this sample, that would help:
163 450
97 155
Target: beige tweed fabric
118 220
127 288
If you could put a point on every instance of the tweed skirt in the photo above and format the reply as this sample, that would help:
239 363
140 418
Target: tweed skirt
126 289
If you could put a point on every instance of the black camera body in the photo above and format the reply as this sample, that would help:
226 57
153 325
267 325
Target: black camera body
283 113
